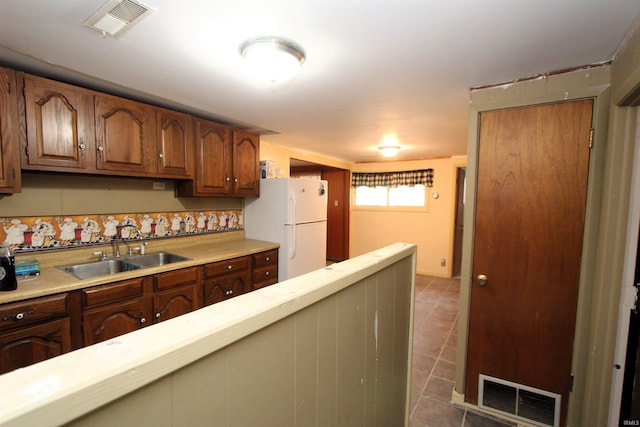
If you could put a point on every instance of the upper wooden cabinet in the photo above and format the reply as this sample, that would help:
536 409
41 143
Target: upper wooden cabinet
227 162
125 136
213 161
174 143
59 124
71 129
246 164
9 124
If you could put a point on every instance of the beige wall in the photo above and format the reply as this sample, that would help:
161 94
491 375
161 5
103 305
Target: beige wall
282 157
63 194
431 231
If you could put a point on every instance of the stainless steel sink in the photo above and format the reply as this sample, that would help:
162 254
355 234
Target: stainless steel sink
105 267
155 259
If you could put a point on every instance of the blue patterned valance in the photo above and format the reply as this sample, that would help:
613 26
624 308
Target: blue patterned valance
392 179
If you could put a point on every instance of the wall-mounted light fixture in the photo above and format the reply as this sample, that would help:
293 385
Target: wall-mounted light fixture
272 59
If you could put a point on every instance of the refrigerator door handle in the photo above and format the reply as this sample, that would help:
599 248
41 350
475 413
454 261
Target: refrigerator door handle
292 218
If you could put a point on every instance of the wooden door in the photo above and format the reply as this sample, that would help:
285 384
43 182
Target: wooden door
246 164
60 126
338 181
125 135
174 143
458 230
530 208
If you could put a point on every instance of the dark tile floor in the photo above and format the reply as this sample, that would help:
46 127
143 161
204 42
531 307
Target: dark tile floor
434 358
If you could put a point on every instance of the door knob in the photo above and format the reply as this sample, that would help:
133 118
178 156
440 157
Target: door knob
481 280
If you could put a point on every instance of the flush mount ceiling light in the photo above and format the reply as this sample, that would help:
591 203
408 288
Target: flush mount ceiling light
389 146
389 150
272 59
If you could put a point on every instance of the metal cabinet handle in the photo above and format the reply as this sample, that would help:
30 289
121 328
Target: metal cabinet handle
157 315
18 316
229 267
481 280
100 148
81 145
228 179
267 259
143 320
161 155
266 273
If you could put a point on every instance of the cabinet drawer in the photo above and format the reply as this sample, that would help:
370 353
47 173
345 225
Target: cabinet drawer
33 310
265 258
265 274
228 266
171 279
105 294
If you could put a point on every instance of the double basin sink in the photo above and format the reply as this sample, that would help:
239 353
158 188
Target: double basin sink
107 266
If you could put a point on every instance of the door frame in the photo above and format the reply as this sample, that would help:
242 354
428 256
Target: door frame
628 293
575 85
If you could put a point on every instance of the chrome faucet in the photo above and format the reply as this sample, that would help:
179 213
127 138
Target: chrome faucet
119 236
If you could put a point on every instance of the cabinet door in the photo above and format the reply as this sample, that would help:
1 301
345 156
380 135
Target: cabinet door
213 158
113 320
224 287
125 135
175 302
25 346
9 167
174 143
59 126
246 164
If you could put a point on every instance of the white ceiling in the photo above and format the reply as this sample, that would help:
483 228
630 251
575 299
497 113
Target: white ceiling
373 66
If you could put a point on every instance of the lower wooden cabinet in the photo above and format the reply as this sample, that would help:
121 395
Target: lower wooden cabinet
265 269
34 330
114 309
41 328
226 279
176 293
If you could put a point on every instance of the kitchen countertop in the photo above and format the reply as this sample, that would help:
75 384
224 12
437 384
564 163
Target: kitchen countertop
201 249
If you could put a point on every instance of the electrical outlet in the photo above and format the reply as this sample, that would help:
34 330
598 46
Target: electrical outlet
158 185
443 262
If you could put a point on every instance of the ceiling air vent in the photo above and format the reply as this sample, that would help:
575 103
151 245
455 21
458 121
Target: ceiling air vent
118 16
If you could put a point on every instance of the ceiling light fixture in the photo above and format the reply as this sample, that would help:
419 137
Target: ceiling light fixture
389 150
272 59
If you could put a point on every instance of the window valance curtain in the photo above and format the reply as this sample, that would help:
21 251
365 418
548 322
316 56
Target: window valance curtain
392 179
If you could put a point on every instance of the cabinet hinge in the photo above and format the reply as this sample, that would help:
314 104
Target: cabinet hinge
591 137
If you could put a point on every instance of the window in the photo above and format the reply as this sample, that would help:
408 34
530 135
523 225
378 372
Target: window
383 196
392 189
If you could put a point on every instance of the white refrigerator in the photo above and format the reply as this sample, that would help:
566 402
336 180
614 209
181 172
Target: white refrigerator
293 213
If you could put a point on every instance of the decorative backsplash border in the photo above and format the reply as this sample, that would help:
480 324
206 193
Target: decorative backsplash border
36 233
